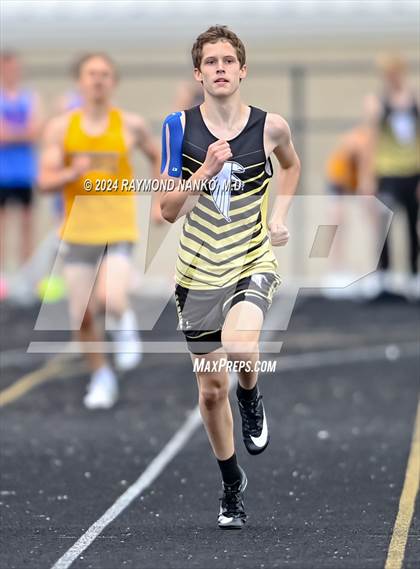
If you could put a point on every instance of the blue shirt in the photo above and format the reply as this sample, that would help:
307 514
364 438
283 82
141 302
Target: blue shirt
18 164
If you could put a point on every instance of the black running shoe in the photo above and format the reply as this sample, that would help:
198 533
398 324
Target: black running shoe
232 514
254 425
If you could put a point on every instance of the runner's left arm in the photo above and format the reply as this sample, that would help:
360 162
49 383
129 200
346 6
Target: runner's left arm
277 140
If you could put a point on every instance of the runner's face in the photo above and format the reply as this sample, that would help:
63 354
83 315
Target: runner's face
97 80
220 71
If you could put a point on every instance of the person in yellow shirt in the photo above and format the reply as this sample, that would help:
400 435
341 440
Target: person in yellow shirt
86 155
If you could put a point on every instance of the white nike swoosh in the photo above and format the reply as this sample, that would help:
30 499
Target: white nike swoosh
262 439
224 520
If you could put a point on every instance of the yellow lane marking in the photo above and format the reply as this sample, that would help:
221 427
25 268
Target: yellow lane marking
398 543
54 369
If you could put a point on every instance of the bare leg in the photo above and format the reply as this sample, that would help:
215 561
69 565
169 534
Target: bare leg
215 407
3 218
240 336
27 231
79 278
217 417
240 340
113 284
88 333
112 293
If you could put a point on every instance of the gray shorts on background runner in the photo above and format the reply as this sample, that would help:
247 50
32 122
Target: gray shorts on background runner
75 253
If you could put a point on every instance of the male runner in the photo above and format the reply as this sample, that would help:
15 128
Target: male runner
394 120
93 145
226 271
20 125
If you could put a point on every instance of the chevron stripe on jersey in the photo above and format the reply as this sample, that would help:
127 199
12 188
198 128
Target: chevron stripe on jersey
224 238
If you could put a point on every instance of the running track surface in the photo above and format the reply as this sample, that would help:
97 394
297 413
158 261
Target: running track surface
325 494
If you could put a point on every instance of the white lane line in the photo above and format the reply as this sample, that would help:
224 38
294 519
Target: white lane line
149 475
152 472
176 443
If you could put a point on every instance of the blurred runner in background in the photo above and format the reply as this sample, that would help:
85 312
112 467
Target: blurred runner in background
393 117
21 120
345 168
86 149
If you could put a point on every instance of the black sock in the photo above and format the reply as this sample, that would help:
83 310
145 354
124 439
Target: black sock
230 470
247 394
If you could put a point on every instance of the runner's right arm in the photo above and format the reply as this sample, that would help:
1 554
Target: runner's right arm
174 204
53 173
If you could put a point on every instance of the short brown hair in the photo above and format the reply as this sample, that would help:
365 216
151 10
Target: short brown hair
79 63
213 35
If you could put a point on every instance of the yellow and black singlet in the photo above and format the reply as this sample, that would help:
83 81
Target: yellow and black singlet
105 214
224 238
398 147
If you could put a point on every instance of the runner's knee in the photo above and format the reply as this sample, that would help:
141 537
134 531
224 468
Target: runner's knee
213 393
238 347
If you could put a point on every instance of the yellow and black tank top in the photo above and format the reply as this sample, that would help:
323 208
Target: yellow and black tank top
224 238
398 147
106 214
